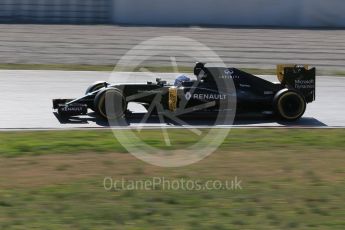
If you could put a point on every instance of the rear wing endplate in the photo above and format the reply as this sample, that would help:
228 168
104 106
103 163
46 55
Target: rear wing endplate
298 77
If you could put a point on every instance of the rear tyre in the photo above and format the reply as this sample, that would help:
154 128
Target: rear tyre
289 105
110 104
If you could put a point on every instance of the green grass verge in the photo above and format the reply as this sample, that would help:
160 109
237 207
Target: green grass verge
85 204
45 142
167 69
292 179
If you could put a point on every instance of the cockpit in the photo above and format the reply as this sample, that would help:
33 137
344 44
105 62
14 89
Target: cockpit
199 73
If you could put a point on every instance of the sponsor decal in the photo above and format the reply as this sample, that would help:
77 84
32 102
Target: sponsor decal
72 109
304 84
268 92
229 72
245 86
229 77
209 96
197 96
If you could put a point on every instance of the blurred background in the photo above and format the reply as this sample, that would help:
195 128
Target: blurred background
294 13
112 27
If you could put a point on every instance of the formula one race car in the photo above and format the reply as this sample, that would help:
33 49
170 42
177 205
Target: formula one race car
285 100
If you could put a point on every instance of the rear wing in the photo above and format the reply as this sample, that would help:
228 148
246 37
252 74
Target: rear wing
298 77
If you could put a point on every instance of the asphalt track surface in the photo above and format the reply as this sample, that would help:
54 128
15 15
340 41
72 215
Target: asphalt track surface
26 98
105 45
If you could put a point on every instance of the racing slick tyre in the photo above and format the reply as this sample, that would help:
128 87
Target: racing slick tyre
110 103
94 87
289 105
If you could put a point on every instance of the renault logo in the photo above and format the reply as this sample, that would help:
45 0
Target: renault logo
188 96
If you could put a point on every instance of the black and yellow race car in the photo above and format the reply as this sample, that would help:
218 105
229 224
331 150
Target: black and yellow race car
215 90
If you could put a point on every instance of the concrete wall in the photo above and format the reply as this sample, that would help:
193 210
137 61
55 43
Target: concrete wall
325 13
55 11
296 13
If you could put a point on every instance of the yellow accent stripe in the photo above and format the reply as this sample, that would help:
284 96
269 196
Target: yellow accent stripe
172 98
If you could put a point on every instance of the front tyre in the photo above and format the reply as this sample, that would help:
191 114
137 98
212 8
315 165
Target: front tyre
110 103
95 86
289 105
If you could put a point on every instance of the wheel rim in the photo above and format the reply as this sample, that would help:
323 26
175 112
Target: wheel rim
108 104
291 106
